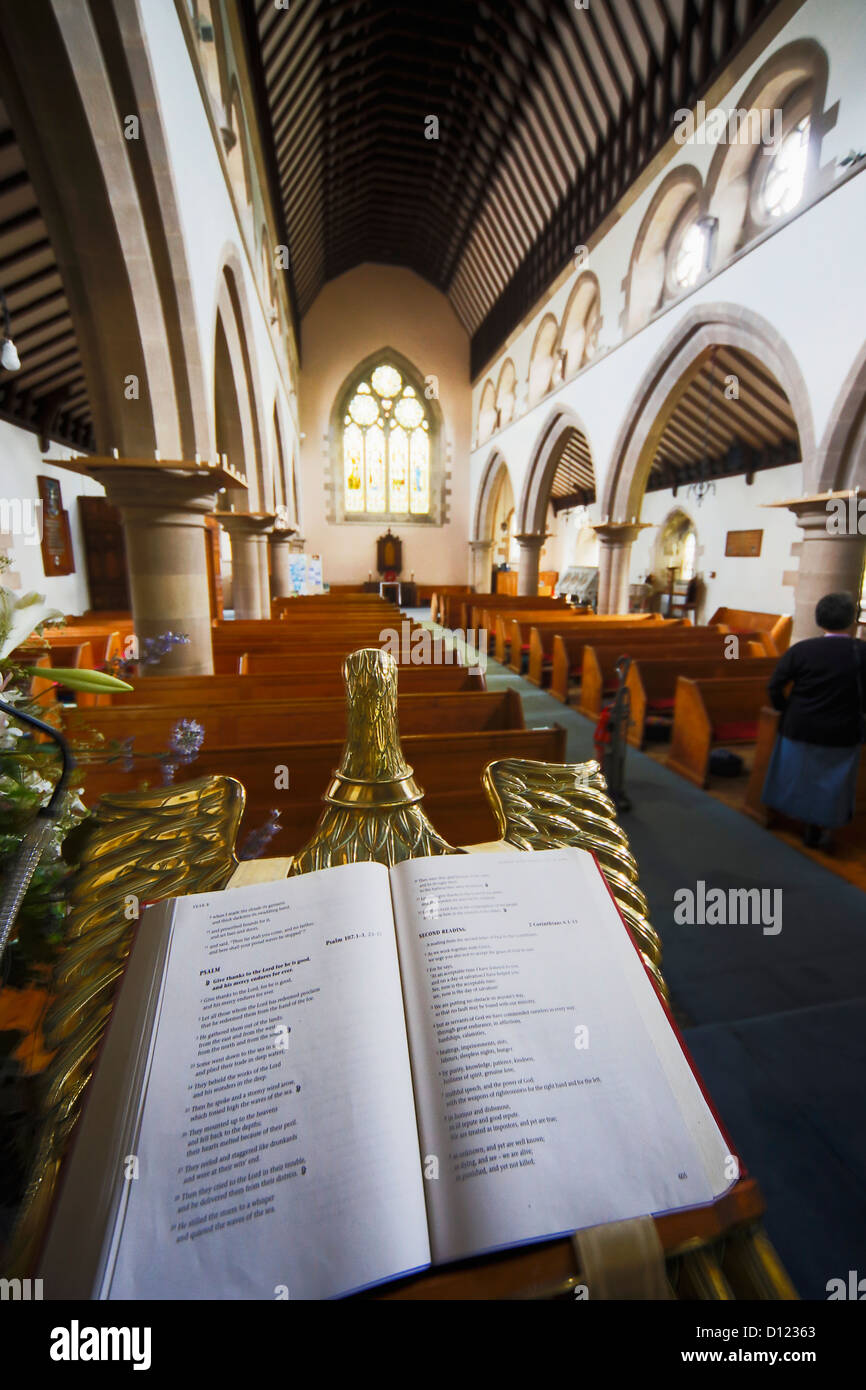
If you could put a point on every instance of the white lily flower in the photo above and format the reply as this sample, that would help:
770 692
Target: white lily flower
19 617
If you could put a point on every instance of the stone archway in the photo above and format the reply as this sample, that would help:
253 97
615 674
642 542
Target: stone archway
842 453
561 428
665 381
702 328
481 544
232 311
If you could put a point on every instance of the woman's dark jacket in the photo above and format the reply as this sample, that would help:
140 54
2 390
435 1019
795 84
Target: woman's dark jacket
824 704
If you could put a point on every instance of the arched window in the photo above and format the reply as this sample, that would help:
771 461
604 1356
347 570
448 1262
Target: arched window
785 178
386 447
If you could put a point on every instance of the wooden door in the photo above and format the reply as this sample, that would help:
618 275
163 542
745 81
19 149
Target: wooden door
104 554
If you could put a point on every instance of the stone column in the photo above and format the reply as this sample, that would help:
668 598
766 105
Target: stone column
262 546
831 554
281 548
480 552
297 544
163 515
614 559
247 532
527 571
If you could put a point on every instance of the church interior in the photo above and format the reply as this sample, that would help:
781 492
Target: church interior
427 430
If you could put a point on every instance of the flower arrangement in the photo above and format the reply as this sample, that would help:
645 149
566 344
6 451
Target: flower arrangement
28 775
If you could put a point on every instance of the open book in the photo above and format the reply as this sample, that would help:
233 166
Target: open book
318 1084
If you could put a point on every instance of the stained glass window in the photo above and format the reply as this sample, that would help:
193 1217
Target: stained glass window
386 447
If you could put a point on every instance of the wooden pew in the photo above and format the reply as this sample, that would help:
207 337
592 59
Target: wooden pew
598 671
775 628
310 719
652 682
258 662
543 634
284 608
444 602
514 633
480 611
568 647
305 679
70 653
105 643
448 767
710 712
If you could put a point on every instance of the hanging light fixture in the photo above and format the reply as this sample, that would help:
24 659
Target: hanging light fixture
9 359
705 486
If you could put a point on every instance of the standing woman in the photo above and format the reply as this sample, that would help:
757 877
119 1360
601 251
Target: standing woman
812 775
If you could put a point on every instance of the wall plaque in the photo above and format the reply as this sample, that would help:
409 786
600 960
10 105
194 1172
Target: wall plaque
57 556
743 543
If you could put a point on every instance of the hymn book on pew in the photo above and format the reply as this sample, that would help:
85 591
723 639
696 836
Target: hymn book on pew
315 1085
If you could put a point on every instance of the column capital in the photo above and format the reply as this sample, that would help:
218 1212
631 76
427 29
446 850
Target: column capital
533 540
815 511
619 532
245 523
480 546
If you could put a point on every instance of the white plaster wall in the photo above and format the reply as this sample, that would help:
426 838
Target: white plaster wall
21 460
728 580
368 308
807 280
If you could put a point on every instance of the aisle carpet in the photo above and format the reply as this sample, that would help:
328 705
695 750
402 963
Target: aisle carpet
775 1023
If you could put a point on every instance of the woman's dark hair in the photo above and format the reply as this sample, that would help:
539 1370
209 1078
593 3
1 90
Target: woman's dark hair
835 612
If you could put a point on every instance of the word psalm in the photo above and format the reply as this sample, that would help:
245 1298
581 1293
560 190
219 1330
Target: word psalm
736 907
76 1343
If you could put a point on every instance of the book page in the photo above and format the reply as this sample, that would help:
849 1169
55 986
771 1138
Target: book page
277 1154
544 1103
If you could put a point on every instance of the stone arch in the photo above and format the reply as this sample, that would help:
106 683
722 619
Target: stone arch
548 450
238 152
581 322
506 393
281 481
212 50
541 360
676 362
495 469
232 318
645 281
118 260
793 80
842 453
487 412
679 519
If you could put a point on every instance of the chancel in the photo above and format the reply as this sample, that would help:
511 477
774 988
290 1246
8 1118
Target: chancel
432 676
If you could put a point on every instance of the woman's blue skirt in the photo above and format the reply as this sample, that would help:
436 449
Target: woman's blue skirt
811 783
